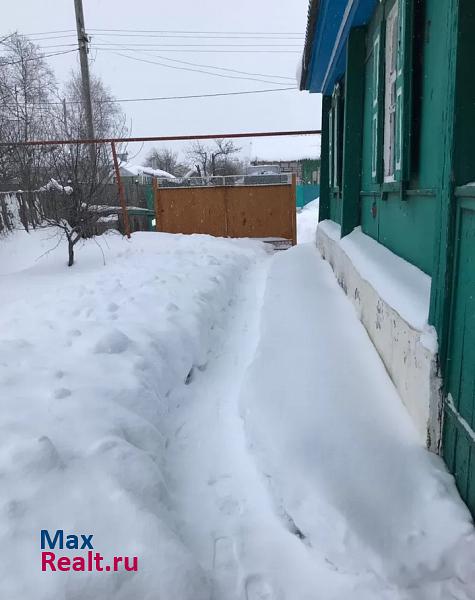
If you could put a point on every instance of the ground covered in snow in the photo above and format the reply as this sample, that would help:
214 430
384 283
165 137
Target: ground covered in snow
307 219
220 413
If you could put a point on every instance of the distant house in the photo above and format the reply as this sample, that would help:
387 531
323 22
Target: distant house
307 170
397 192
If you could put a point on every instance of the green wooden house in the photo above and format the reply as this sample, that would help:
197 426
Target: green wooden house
398 161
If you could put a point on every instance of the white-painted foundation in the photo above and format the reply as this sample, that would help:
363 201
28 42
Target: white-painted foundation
408 353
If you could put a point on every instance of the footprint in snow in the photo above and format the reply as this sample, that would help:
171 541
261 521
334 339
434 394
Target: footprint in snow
113 309
113 342
225 568
257 588
228 504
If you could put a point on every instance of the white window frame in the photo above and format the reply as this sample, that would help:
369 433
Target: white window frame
390 93
336 138
375 117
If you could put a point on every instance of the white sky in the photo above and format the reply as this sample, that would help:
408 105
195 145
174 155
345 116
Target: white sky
283 110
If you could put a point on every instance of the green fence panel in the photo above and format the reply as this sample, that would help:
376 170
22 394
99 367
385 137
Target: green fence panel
150 205
307 193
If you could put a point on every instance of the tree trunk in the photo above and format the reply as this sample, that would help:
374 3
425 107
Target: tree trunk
71 253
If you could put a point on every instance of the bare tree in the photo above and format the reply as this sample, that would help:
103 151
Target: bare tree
78 179
216 159
27 87
64 186
166 160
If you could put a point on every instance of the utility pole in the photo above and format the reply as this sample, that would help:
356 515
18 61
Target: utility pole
83 42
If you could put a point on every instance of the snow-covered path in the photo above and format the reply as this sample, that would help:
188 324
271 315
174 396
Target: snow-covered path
297 475
228 518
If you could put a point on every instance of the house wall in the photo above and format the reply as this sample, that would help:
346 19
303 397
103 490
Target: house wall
430 222
405 219
406 222
406 225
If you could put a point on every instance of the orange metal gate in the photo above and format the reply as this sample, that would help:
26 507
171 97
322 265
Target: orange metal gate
228 210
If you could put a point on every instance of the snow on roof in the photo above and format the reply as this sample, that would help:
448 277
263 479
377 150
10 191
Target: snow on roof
128 169
293 148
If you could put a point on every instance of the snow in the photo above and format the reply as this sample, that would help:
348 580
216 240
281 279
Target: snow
295 148
55 185
12 209
108 219
298 72
219 412
332 229
307 221
137 170
377 513
89 360
402 285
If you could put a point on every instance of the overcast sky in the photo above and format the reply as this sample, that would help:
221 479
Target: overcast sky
127 78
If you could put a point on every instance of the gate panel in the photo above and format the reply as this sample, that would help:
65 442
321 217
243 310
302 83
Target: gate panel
260 211
254 211
191 210
459 422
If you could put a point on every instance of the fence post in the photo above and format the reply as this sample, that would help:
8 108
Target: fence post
120 185
293 208
156 201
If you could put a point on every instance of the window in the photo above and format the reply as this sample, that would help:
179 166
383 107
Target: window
376 101
335 126
392 71
392 95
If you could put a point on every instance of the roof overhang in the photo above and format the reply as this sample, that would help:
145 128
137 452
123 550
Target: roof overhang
328 26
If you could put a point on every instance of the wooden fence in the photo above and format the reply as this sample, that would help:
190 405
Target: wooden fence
22 209
253 211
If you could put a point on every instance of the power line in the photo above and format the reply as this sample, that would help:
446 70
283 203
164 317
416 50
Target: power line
194 31
57 46
202 51
158 98
152 62
197 36
203 95
49 32
51 37
184 62
40 56
148 45
167 36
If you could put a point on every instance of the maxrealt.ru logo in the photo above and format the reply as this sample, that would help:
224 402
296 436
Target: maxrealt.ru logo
88 560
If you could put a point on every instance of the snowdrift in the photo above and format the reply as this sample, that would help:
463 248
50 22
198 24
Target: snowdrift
89 357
